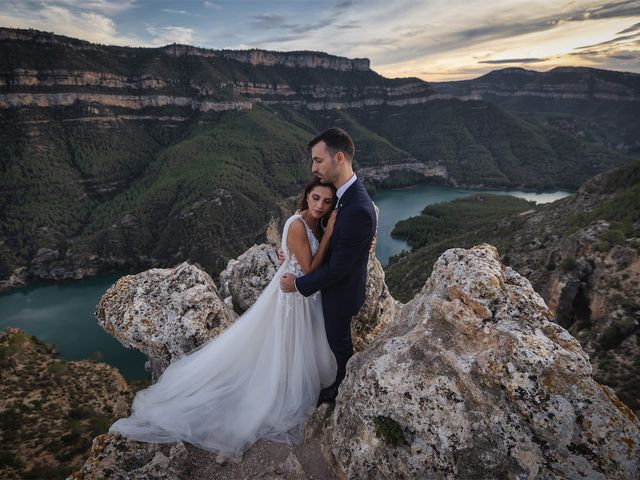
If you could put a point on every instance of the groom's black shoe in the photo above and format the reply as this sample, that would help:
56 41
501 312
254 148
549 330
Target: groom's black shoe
328 394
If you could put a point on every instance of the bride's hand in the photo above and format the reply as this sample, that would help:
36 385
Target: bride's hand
331 222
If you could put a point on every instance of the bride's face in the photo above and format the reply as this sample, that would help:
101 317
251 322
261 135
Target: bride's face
319 200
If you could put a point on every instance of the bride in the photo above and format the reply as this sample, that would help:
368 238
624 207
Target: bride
261 377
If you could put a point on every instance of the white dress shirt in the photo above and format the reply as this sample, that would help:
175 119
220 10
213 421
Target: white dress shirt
344 187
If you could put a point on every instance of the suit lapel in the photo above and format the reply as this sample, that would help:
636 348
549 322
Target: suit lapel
348 195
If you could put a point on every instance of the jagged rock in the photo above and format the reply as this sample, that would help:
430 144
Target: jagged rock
584 264
378 310
244 279
290 469
164 312
473 380
114 456
118 458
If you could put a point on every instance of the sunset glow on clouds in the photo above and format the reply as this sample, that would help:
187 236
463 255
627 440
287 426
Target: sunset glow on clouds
435 39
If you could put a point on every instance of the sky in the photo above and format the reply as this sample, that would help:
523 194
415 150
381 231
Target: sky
435 40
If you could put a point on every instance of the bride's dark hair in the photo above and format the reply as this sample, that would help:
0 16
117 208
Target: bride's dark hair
313 183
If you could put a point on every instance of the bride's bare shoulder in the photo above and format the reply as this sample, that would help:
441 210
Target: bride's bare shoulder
297 231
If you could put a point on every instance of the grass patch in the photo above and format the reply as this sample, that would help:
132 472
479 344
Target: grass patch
390 431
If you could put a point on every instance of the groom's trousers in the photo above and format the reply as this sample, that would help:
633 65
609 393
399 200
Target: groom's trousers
338 328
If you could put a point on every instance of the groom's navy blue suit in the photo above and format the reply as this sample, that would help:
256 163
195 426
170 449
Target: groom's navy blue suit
343 276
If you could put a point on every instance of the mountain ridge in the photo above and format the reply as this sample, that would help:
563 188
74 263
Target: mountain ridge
255 56
119 158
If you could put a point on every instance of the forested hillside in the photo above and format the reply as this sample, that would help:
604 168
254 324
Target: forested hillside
118 158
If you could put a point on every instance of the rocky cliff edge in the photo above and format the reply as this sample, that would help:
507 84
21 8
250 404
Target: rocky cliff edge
470 379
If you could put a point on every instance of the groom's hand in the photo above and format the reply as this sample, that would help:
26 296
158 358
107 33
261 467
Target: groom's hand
287 283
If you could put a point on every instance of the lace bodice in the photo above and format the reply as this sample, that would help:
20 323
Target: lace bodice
292 262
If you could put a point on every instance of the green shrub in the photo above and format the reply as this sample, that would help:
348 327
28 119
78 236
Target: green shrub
568 264
613 236
40 471
58 369
390 431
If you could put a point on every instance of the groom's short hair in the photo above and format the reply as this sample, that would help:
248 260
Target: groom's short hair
336 140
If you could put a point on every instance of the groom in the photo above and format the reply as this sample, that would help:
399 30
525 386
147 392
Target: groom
343 277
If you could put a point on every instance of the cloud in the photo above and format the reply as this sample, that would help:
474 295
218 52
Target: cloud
213 6
497 22
613 41
343 5
167 35
290 30
110 7
269 21
175 12
631 29
64 19
514 60
625 8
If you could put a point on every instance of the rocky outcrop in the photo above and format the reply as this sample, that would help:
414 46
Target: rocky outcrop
132 102
590 278
29 79
21 77
300 59
212 85
269 58
245 277
379 308
582 255
113 456
50 409
164 312
138 102
473 380
379 173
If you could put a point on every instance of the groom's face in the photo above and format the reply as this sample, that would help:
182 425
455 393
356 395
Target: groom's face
324 166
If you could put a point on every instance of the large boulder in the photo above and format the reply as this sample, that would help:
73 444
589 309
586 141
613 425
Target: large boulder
118 458
379 307
244 279
164 312
473 379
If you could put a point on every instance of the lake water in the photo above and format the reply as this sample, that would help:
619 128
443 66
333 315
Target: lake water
396 205
62 313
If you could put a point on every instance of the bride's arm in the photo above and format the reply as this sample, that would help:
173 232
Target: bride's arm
318 259
298 244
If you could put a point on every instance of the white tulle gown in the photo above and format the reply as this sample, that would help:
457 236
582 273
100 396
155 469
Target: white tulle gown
260 378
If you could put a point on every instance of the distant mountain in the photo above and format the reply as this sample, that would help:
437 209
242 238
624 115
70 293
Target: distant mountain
119 158
598 105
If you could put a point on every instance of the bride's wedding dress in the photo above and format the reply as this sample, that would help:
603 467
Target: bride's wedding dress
260 378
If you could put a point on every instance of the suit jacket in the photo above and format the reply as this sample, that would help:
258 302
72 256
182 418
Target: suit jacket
343 276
